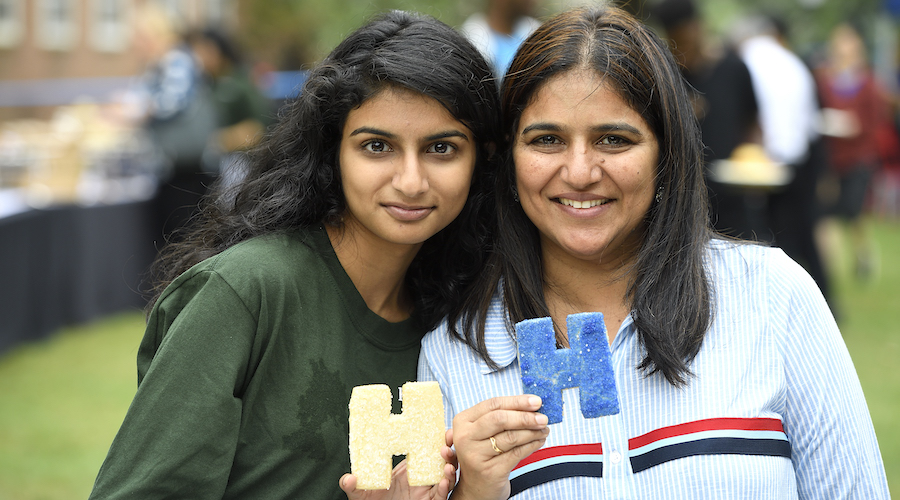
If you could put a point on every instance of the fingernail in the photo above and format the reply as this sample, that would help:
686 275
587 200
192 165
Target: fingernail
541 419
534 401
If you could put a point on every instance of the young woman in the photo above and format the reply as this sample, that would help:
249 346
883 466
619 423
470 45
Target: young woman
356 227
732 377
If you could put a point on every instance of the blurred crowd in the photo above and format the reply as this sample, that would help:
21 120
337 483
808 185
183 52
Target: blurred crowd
799 145
183 123
199 105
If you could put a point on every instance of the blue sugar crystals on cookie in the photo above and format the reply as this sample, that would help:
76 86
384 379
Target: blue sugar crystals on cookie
586 364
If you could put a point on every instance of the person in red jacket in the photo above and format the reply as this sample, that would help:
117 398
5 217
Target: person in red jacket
855 107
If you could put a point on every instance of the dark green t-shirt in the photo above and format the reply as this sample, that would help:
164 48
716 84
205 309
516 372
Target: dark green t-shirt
245 373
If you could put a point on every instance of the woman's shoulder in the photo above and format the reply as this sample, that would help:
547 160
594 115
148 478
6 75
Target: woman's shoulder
270 253
266 258
263 266
499 343
744 254
747 263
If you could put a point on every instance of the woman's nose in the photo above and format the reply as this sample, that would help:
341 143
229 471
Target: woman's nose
583 167
410 177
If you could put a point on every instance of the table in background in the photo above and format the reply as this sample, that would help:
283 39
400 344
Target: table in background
67 265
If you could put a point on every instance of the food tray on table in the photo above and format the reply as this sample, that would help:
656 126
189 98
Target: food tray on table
750 167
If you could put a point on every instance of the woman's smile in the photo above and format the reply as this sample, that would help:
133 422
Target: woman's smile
585 166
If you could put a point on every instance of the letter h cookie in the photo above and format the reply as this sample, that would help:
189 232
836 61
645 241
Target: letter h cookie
376 434
586 364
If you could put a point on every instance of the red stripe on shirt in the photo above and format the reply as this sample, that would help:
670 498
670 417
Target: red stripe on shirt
710 424
559 451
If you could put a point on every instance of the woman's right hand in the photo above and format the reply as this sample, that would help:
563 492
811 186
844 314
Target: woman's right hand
484 464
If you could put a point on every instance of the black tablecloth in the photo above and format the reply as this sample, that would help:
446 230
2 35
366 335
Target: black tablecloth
67 265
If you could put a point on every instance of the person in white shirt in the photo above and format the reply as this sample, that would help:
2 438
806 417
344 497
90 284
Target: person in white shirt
789 111
498 31
785 90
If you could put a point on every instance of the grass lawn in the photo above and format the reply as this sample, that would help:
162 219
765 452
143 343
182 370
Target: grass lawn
61 403
870 323
62 400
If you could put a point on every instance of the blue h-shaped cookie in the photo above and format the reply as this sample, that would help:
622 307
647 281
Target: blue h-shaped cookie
586 364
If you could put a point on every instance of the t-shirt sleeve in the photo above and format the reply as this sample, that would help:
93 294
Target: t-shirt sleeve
834 449
179 436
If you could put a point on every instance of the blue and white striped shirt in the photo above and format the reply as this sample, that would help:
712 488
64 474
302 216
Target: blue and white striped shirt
775 409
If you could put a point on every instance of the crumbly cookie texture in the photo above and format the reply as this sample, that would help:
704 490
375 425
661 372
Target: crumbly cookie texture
586 364
376 434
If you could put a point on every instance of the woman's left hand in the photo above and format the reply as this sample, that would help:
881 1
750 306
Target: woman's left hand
400 488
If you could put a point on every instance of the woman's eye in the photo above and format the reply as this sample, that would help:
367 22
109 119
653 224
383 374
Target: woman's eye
376 146
613 140
441 148
545 140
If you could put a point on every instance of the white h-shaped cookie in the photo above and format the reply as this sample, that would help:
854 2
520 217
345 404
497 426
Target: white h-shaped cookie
376 434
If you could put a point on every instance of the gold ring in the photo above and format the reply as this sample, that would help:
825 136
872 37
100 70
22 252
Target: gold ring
494 445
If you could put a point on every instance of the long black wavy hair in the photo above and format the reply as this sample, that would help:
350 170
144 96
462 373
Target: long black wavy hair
669 289
293 176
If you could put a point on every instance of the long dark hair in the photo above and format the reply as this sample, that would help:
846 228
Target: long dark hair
669 292
293 176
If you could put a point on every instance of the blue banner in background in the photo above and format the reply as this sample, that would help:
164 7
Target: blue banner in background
285 84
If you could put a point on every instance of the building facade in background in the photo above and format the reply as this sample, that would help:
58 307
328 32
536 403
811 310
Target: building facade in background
56 52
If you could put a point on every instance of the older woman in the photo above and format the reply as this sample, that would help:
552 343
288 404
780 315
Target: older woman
733 380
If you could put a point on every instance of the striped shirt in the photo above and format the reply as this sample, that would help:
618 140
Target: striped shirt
774 409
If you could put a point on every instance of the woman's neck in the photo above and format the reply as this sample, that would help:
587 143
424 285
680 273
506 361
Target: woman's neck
376 268
574 286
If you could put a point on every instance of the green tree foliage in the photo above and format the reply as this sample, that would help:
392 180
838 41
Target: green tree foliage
297 33
293 33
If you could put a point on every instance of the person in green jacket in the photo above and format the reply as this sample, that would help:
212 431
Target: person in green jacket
361 219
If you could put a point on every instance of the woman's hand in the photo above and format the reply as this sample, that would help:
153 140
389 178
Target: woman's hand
491 438
400 488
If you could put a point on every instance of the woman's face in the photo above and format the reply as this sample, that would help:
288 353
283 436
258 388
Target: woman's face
585 163
406 165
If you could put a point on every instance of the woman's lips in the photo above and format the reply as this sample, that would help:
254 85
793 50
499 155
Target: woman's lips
408 213
583 209
583 204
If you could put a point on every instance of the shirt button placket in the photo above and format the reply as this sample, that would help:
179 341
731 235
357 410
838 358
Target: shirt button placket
617 477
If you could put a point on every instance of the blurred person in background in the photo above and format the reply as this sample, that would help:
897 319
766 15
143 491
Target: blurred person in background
500 29
788 117
725 105
856 109
363 216
179 116
243 111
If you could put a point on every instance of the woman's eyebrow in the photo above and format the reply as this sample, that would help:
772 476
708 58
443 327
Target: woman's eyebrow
445 135
550 127
389 135
617 127
373 131
604 128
